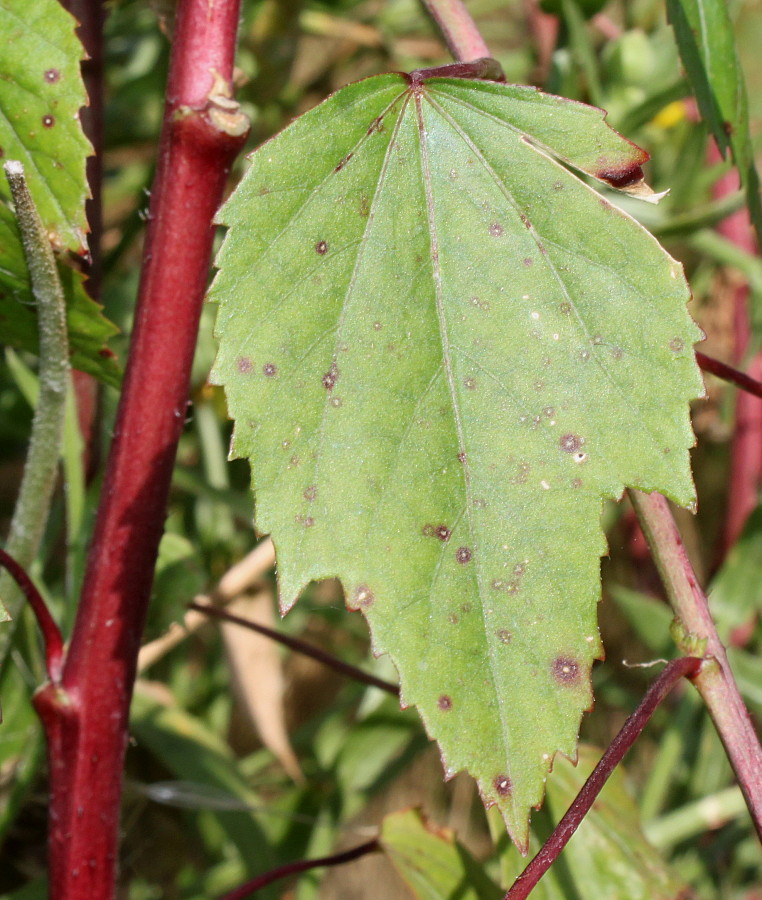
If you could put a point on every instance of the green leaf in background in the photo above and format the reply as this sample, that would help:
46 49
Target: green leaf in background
442 350
431 862
735 593
607 856
704 34
41 92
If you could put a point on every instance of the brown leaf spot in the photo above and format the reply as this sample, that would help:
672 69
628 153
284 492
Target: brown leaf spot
676 344
453 619
528 262
321 248
502 784
269 370
51 75
462 458
496 229
463 555
470 383
565 308
244 365
565 670
570 443
331 377
503 635
308 522
310 492
48 121
444 703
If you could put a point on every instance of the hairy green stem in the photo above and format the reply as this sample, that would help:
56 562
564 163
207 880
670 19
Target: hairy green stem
31 511
695 632
458 29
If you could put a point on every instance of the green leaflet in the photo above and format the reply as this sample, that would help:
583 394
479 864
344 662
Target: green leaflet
442 351
41 92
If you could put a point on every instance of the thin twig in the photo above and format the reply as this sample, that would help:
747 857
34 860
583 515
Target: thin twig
729 373
299 646
685 666
694 631
458 29
245 890
51 635
31 510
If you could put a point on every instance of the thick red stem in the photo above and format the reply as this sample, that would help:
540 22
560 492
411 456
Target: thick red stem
86 718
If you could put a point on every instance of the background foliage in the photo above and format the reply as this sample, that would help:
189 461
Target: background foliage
202 788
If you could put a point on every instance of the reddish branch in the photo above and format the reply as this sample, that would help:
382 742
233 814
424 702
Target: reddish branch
86 717
299 646
685 666
51 636
246 890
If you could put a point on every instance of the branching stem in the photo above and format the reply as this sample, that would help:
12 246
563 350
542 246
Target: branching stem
685 666
695 632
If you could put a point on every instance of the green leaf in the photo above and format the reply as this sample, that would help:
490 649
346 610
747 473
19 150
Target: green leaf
704 34
432 863
442 351
736 590
41 92
607 856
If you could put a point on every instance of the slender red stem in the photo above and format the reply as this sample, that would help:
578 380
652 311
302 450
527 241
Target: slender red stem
685 666
86 719
246 890
299 646
51 635
728 373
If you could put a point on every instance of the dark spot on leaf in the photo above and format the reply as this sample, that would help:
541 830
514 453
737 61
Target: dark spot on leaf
363 596
541 248
504 636
466 608
343 162
321 248
522 473
676 344
549 412
565 308
48 121
364 208
376 125
308 522
335 402
444 703
453 619
528 261
263 191
558 186
525 220
331 377
462 458
496 229
294 461
463 555
244 365
51 75
310 492
269 370
570 443
565 670
377 326
442 532
2 153
104 353
616 352
502 784
470 383
576 482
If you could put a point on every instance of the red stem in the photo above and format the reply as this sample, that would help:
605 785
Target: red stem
684 666
299 646
86 720
246 890
728 373
458 28
51 636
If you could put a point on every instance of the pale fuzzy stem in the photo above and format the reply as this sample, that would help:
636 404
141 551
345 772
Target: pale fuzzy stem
696 633
31 510
458 29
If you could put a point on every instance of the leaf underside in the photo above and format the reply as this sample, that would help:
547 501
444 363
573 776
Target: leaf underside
442 351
